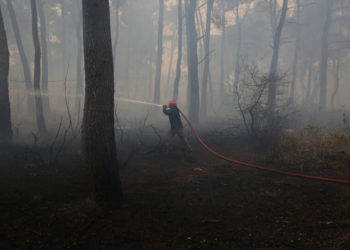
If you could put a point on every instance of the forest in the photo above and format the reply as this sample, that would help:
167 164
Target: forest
174 124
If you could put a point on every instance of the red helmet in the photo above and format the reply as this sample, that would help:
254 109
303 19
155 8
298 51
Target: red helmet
172 103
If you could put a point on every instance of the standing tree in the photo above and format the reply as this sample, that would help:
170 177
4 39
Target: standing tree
237 70
324 55
222 53
37 57
98 125
296 54
44 64
5 115
192 62
24 60
274 62
207 58
79 86
179 51
159 52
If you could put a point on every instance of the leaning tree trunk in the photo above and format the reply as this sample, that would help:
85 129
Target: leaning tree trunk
324 56
37 56
271 103
5 114
222 54
22 54
179 51
296 54
98 126
207 58
192 62
44 65
159 52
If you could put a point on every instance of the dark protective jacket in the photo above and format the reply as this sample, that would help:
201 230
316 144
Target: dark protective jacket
174 117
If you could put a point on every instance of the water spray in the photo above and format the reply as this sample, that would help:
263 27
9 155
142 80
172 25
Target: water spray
119 99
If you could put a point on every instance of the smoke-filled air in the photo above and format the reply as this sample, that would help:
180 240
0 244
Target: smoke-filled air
174 124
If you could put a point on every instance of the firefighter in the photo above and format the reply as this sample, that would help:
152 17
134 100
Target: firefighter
176 127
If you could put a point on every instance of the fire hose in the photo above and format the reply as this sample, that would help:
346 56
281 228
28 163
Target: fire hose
258 166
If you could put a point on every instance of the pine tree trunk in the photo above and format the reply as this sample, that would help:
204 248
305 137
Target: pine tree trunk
98 125
274 62
5 114
336 69
37 57
207 59
192 62
116 38
222 54
296 54
44 65
179 52
79 86
159 52
324 56
22 54
238 55
309 81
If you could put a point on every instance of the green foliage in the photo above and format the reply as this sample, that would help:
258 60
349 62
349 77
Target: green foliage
314 147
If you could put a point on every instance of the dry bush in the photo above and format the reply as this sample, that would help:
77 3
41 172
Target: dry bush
314 147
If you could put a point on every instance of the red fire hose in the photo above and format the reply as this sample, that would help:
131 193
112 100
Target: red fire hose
257 166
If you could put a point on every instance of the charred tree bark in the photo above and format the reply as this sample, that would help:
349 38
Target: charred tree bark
222 54
159 52
37 57
22 54
98 126
5 114
324 55
296 54
238 55
79 86
271 103
44 64
172 50
192 62
207 59
116 38
179 51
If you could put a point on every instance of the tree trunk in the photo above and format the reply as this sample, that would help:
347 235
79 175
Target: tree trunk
336 69
22 54
324 56
44 65
308 88
5 114
207 58
274 62
222 54
98 126
170 66
296 54
79 86
179 52
238 55
192 62
37 57
116 38
159 52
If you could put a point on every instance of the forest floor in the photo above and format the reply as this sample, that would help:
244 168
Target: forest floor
172 201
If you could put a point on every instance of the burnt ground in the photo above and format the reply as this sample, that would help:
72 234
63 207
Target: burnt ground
172 201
